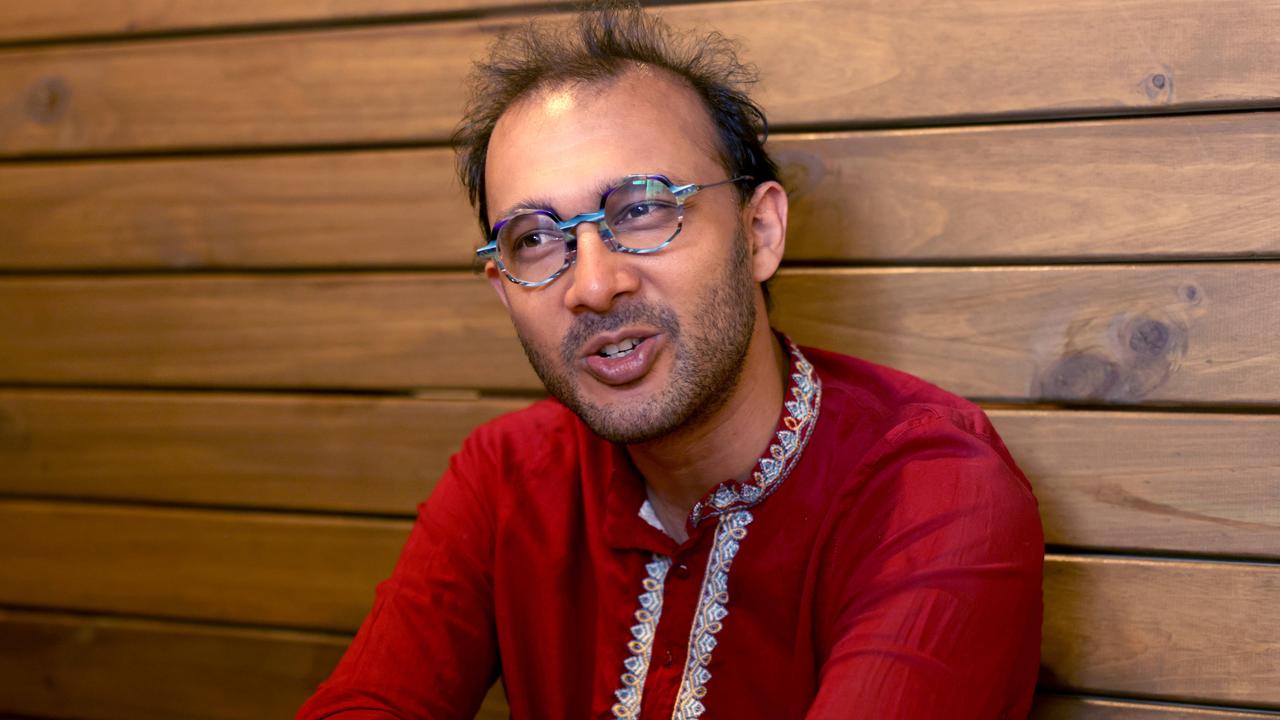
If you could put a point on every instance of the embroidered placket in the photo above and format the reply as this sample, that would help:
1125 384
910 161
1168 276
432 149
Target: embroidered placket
636 666
710 615
730 504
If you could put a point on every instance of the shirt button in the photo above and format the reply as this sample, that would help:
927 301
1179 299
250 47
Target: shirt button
682 571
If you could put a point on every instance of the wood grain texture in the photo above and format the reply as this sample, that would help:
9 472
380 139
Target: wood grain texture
1175 187
342 330
374 455
1165 629
298 571
37 20
1196 333
1124 334
1155 482
101 668
864 63
391 83
356 209
68 666
1170 187
1161 628
1060 707
1104 480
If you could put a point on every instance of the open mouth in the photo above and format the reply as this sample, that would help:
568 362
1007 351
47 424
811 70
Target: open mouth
619 349
624 360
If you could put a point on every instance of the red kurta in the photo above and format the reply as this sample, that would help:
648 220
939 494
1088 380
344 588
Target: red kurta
883 562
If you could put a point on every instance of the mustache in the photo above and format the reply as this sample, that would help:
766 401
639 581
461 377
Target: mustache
588 325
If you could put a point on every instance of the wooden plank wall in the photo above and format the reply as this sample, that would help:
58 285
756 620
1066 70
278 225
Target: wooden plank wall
239 337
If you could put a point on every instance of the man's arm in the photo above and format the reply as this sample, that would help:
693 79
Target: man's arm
428 648
935 605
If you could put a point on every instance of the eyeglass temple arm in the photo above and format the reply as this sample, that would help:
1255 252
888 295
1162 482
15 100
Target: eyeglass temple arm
684 191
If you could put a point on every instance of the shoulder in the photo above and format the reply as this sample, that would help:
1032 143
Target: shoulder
533 435
890 396
896 428
929 483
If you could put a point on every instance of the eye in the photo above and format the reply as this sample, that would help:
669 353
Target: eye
639 210
644 213
534 240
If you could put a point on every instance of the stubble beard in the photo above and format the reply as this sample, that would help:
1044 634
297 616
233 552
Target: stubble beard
707 363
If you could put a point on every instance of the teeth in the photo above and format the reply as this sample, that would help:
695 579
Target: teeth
620 348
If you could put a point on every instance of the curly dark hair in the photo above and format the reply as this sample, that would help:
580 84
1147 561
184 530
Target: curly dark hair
612 36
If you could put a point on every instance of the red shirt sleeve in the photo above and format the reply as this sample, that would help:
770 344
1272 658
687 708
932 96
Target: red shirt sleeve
428 648
934 603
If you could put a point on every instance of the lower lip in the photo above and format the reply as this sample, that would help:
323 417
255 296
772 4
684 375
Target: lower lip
628 368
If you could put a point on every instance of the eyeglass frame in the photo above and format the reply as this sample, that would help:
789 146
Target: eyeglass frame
680 192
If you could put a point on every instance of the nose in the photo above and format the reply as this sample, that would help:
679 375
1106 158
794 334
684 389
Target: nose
599 276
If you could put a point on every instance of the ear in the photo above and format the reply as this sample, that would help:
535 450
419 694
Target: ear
498 281
765 219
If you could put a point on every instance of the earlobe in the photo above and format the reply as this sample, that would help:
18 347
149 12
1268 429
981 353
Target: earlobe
498 281
767 229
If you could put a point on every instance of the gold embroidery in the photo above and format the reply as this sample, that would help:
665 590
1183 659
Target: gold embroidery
710 615
636 666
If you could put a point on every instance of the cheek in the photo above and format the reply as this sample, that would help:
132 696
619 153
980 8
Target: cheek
536 319
700 261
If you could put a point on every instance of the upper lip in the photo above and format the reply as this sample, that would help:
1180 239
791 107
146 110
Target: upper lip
598 343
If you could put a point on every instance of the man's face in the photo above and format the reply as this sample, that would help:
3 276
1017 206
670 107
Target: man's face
689 310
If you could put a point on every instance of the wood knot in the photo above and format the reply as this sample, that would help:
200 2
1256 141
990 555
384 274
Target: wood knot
1158 86
47 100
1149 338
1121 358
1081 375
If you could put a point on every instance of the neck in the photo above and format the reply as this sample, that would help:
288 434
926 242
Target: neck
680 468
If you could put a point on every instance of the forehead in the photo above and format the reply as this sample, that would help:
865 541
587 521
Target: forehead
562 143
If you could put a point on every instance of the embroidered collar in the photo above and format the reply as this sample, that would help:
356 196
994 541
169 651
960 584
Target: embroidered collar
799 416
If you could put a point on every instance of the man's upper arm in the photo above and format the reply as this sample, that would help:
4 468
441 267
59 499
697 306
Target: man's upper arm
935 603
428 648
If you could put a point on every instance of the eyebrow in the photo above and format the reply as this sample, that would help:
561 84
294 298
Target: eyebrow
542 203
527 204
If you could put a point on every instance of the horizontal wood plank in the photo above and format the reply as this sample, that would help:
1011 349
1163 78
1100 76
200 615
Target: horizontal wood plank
1169 629
393 83
357 209
25 20
865 63
68 666
1175 187
1177 630
1104 480
1062 707
102 668
1152 482
1170 187
376 455
342 330
298 571
868 62
1197 333
1120 334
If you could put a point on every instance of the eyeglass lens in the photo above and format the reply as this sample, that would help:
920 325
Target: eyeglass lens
642 214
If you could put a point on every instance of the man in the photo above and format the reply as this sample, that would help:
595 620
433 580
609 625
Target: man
705 520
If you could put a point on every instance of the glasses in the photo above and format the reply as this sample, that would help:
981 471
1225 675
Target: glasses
640 215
